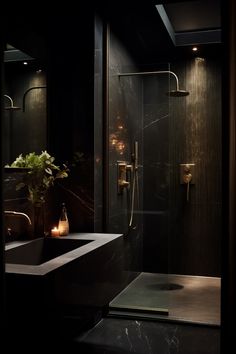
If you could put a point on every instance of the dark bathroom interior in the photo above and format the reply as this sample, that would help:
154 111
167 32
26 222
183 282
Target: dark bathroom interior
91 85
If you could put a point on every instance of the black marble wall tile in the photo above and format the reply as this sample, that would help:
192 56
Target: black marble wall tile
71 115
156 171
125 122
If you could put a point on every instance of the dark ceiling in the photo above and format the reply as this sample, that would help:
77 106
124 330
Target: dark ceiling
193 22
138 24
194 15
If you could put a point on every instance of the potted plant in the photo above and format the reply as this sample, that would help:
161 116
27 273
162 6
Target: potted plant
41 173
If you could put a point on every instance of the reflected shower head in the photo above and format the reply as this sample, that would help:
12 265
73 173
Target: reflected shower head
174 93
177 93
11 107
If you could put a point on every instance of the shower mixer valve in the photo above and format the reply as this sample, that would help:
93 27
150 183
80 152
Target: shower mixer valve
187 173
122 168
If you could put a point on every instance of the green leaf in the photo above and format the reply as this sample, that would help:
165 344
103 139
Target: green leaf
48 170
61 174
42 174
20 186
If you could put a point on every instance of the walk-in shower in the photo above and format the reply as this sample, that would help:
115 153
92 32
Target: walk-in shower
132 168
168 227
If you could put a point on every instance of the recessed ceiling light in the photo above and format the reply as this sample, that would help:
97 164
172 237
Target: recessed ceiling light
25 63
195 49
200 59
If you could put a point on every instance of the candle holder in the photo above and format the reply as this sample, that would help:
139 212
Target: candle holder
55 232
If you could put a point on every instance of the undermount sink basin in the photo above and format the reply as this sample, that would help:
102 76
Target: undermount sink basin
42 250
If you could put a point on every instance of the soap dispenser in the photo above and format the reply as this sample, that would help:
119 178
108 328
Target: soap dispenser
63 224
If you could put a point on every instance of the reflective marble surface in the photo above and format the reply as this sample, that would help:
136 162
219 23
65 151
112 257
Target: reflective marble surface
113 336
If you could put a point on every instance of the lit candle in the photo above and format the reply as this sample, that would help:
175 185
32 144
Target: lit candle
55 232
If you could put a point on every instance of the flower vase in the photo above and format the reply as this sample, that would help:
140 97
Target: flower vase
39 220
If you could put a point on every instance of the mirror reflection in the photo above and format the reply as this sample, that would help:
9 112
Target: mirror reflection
24 102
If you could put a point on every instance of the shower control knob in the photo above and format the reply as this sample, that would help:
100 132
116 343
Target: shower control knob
187 173
124 183
122 177
187 178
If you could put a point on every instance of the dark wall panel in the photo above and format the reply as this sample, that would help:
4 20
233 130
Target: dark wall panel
156 170
195 129
98 125
25 129
125 121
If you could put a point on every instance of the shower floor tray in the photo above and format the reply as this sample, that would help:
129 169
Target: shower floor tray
184 298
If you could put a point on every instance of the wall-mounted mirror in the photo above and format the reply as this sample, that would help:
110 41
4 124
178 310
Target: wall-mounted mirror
24 104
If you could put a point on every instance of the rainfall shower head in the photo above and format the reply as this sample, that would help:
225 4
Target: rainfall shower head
11 107
177 93
174 93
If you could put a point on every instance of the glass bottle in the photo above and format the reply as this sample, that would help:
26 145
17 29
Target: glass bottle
63 224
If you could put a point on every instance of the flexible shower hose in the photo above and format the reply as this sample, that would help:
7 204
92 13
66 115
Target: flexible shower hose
134 184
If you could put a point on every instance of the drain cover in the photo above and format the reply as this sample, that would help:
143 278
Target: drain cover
168 286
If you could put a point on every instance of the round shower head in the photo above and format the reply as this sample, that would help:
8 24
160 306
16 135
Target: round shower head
177 93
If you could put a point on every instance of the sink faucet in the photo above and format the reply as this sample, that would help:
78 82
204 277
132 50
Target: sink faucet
12 235
18 213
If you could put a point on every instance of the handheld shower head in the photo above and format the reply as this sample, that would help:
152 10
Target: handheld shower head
11 107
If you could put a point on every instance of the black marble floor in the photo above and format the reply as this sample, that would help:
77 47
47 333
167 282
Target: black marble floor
99 332
191 299
120 336
115 336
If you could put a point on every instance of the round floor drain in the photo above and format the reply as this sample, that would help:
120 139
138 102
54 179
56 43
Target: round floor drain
167 286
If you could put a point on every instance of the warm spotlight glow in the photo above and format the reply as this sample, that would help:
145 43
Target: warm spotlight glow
55 232
113 139
120 147
198 59
195 49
